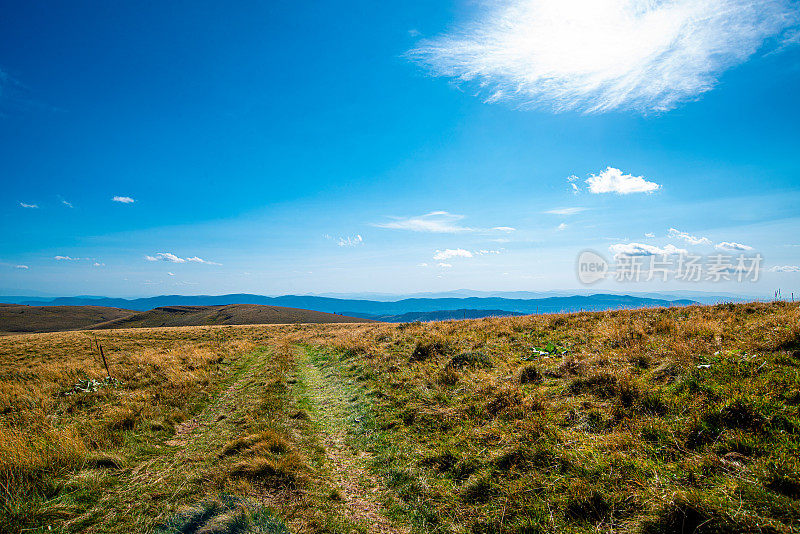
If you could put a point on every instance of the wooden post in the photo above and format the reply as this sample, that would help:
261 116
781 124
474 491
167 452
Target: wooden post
102 355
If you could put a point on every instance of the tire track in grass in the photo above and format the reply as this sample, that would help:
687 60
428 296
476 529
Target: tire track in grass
333 403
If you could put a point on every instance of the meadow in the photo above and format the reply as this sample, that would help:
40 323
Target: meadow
660 420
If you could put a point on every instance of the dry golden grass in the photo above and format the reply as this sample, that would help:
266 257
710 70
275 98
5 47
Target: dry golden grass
632 421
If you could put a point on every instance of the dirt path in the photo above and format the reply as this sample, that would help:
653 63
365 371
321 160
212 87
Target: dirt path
334 409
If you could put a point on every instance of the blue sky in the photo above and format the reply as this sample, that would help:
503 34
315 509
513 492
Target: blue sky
285 147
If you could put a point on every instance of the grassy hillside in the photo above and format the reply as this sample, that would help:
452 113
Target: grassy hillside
651 421
233 314
19 318
15 318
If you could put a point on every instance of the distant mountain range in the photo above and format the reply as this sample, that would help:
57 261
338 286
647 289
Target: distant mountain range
373 308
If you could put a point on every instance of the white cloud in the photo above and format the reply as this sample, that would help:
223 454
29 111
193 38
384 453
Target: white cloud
350 241
124 200
486 252
641 249
170 274
439 222
732 247
422 264
195 259
445 265
602 55
612 180
649 234
29 206
448 253
97 264
785 269
691 239
562 226
24 267
172 258
66 258
565 211
65 203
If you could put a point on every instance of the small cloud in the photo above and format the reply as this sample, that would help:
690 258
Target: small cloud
452 253
691 239
170 274
195 259
641 249
29 206
732 247
565 211
422 264
24 267
64 202
785 269
66 258
97 264
438 222
562 226
173 258
485 252
414 33
613 180
649 234
124 200
506 229
350 241
445 265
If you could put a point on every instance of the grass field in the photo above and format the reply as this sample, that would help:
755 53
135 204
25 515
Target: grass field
671 420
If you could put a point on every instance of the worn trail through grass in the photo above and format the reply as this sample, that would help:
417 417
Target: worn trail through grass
334 403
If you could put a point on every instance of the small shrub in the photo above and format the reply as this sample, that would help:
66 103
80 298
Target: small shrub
530 374
424 351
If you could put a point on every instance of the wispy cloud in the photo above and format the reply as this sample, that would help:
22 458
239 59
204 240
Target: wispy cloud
445 265
123 200
641 249
23 267
562 226
29 206
565 211
602 55
67 204
169 257
439 222
449 253
613 180
785 269
691 239
732 247
67 258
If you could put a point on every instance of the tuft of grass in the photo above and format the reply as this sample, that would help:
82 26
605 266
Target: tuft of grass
227 514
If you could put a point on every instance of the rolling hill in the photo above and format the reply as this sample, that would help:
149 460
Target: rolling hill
17 318
234 314
27 319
